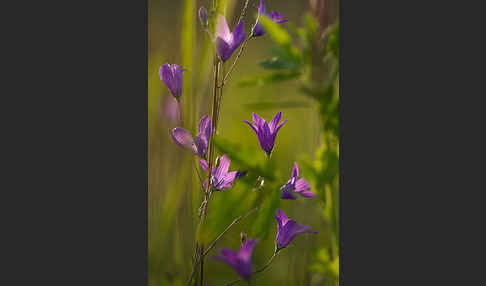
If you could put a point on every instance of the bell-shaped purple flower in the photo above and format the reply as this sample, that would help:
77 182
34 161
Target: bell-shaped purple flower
288 229
296 185
171 75
197 145
266 133
275 16
221 179
240 260
227 42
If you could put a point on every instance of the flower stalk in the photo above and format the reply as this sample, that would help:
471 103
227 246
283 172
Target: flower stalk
208 191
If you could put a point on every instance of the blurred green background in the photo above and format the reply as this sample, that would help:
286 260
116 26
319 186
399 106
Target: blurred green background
308 100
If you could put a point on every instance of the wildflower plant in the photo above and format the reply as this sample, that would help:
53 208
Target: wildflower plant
215 175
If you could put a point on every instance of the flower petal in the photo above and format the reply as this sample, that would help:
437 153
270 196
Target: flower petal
223 167
204 165
183 139
258 30
238 35
276 17
205 128
246 249
259 122
229 256
228 180
240 260
302 185
177 76
166 76
279 126
266 139
261 8
274 122
201 146
307 194
223 49
255 128
289 231
295 171
286 195
282 217
222 29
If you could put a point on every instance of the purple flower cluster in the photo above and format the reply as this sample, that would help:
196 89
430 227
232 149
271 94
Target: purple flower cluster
226 42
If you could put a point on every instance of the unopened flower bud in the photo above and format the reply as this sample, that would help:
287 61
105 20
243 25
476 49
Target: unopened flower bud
243 237
203 16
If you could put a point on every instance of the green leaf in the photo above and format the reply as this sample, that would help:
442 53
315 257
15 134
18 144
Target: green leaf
270 78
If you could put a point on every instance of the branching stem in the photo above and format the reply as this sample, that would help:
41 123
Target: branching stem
211 246
235 221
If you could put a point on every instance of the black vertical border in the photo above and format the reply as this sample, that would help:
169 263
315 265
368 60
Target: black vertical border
79 143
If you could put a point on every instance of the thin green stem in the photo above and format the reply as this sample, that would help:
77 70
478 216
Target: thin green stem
226 77
197 252
235 221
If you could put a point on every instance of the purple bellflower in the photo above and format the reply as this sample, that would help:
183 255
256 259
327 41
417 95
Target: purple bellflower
266 133
197 145
288 229
227 42
296 185
276 17
220 178
240 260
171 75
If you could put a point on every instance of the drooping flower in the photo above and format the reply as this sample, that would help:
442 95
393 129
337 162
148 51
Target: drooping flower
171 75
170 109
227 42
288 229
275 16
197 145
239 260
266 133
220 178
296 185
